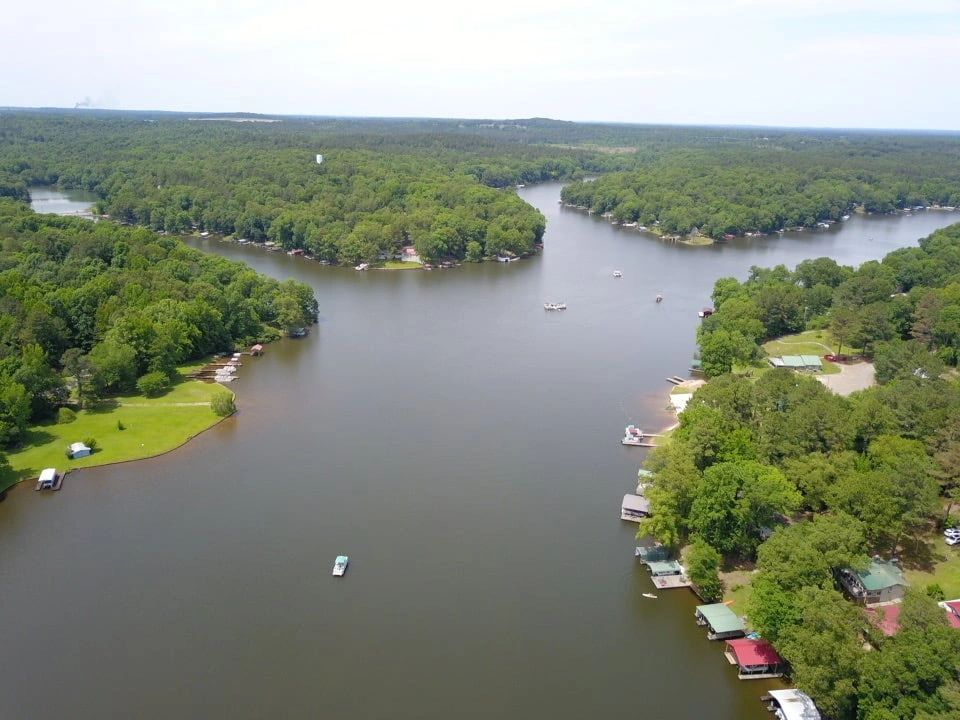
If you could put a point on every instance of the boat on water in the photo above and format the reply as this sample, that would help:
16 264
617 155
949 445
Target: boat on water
617 273
706 312
340 565
554 306
659 298
362 266
632 435
650 595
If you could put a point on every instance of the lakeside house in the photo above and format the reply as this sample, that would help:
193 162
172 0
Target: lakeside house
805 363
78 450
882 582
634 508
409 254
792 704
721 622
755 659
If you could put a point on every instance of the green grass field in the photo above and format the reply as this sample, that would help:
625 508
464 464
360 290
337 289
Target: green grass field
945 571
151 426
399 265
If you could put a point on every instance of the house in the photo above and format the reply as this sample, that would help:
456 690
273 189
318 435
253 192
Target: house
792 705
49 480
881 582
952 608
807 363
755 659
409 254
78 450
634 508
721 622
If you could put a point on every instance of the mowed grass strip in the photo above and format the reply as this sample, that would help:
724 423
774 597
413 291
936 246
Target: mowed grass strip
151 426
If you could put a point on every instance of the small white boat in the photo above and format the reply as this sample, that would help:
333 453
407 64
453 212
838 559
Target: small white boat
650 595
617 273
362 266
554 306
340 565
659 298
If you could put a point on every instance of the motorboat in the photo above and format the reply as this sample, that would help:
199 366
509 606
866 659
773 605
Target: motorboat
340 565
554 306
362 266
659 298
632 435
617 273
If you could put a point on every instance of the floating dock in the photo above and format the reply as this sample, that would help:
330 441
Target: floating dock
676 379
671 582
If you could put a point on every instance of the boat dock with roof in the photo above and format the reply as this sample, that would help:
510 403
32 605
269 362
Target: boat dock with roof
721 622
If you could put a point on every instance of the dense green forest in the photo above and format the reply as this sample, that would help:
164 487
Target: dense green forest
100 305
837 479
444 185
773 184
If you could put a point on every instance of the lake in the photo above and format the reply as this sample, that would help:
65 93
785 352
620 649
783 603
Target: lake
461 445
61 202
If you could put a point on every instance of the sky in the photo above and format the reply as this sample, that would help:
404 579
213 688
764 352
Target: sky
808 63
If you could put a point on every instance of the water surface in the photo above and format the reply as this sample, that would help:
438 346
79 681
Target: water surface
462 446
61 202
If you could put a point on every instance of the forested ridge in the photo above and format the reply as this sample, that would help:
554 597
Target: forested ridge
836 479
99 306
443 185
775 185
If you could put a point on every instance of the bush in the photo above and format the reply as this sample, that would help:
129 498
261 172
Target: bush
223 405
121 426
153 384
65 415
936 592
90 443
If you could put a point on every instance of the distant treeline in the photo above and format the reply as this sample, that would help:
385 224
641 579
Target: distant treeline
101 305
771 185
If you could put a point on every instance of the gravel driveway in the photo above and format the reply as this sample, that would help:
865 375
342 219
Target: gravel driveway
850 378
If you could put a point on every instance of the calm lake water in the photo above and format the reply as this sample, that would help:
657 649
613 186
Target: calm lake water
61 202
462 446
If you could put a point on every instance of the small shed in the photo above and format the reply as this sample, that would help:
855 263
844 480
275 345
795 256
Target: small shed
256 349
882 581
721 622
793 704
78 450
634 508
660 568
755 659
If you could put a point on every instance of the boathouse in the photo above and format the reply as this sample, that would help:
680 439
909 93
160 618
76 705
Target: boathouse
807 363
651 553
78 450
634 508
661 568
49 480
755 659
792 704
721 622
882 581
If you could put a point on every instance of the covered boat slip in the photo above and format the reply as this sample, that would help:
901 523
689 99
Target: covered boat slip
634 508
792 705
721 622
755 659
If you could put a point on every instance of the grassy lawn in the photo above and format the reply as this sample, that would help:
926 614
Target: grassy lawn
945 570
151 426
399 265
811 342
737 590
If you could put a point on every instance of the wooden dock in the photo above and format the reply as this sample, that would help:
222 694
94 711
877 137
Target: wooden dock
670 582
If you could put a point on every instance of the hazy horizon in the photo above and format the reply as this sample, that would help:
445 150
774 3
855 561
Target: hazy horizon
816 64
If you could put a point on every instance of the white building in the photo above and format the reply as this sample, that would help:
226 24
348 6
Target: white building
79 450
319 159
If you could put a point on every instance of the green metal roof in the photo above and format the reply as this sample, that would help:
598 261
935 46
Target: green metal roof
796 361
880 575
665 567
652 554
720 618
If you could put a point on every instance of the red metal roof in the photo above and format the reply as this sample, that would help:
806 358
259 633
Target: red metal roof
754 652
953 613
887 618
